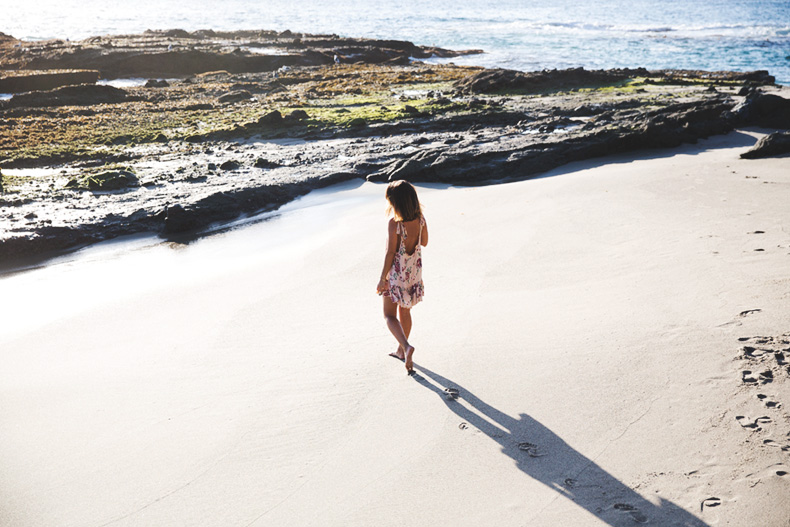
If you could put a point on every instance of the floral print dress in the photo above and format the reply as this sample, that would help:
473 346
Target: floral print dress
405 276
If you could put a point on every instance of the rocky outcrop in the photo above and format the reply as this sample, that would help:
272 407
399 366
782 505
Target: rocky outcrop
105 180
764 109
771 145
198 168
225 206
25 80
81 95
180 53
511 81
670 126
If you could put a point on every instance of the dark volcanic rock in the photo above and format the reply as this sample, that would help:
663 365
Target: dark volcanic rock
26 80
475 164
81 95
235 96
415 168
154 83
501 80
504 81
776 144
764 109
226 206
107 180
296 115
178 52
265 163
178 219
229 165
271 119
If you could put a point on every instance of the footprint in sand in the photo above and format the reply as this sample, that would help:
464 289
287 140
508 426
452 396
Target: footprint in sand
713 501
757 340
766 376
767 402
753 353
748 312
746 377
753 425
463 426
772 443
632 511
780 358
451 393
532 449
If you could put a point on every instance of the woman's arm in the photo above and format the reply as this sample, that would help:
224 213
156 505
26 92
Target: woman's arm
424 234
392 246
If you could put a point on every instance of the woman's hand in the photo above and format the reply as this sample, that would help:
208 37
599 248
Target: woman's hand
382 286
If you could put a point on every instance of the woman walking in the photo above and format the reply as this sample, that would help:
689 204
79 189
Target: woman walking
401 276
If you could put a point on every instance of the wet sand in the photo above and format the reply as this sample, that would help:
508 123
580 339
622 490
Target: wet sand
596 322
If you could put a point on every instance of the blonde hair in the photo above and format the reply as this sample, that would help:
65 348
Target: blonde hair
403 201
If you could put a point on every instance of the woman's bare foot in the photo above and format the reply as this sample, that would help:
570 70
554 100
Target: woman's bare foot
409 361
398 354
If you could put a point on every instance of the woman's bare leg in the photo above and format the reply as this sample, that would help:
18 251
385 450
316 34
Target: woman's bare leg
395 327
404 315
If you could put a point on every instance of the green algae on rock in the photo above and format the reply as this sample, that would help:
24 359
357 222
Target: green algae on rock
112 179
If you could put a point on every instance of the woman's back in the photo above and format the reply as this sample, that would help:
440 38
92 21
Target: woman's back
412 229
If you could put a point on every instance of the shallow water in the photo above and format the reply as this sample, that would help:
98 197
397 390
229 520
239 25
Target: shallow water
132 82
540 34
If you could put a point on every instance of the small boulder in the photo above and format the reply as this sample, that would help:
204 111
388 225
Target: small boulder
771 145
764 109
229 165
199 106
235 96
115 179
296 115
177 33
153 83
271 119
265 163
178 219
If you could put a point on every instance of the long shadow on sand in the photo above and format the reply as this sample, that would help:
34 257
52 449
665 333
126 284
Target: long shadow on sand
544 456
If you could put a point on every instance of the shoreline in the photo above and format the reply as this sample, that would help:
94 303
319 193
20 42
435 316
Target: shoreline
598 347
175 157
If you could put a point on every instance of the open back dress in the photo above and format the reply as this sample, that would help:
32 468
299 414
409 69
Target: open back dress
405 276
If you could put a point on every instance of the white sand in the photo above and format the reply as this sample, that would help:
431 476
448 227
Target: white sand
244 380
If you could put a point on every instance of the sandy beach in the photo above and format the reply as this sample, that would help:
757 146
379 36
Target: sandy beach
618 332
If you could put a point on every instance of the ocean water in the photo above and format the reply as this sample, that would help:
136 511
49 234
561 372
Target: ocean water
740 35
